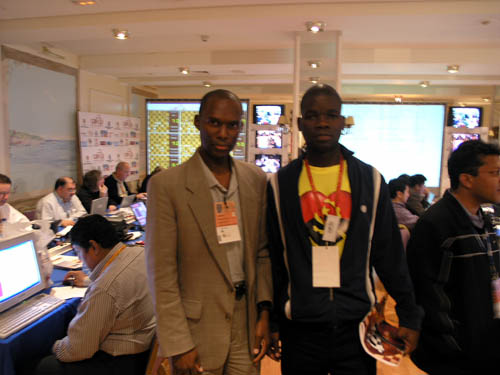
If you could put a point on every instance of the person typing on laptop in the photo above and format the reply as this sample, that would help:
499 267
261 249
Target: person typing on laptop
115 324
117 187
93 187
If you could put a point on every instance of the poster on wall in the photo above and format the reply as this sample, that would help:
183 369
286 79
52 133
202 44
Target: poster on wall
105 140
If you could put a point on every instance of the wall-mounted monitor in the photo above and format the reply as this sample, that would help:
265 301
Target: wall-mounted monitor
458 138
269 163
268 139
465 117
267 114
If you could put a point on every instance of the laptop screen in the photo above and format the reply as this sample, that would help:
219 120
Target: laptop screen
140 212
19 271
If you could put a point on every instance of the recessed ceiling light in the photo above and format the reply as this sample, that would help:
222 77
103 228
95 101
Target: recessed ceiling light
314 64
452 69
315 26
314 80
398 99
184 70
207 84
120 34
424 84
83 2
486 100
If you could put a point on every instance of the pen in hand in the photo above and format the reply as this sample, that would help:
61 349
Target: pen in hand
72 281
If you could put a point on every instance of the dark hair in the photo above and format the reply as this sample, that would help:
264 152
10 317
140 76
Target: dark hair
397 184
5 179
219 93
467 158
417 179
91 178
62 181
406 178
318 90
94 227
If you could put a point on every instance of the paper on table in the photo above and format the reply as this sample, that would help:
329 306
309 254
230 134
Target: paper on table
67 292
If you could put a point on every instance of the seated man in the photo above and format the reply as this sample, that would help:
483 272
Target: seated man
62 204
117 187
400 191
93 188
417 202
8 213
114 325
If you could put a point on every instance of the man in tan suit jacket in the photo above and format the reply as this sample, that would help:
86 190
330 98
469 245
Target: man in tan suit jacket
212 293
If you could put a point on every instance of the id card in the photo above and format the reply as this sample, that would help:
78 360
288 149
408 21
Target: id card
226 222
326 267
331 227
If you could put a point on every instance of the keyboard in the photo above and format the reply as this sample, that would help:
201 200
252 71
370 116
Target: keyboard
26 313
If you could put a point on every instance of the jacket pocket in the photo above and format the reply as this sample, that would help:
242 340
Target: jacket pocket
192 308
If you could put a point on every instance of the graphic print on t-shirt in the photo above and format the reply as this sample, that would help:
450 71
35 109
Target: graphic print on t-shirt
325 181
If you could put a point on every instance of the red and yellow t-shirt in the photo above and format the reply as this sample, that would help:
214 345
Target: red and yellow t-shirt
325 180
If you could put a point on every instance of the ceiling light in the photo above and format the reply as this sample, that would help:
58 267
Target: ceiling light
184 70
314 64
452 69
120 34
207 84
314 80
424 84
486 100
315 27
398 99
83 2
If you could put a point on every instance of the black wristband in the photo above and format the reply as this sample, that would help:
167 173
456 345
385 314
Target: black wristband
264 306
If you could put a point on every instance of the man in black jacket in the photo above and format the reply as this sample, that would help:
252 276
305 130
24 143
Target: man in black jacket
326 232
454 263
117 187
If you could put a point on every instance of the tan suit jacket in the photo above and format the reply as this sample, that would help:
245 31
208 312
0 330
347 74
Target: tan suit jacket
188 270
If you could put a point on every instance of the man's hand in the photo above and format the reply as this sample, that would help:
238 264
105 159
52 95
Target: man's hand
274 351
142 196
187 363
262 336
159 367
112 207
103 191
79 278
65 223
410 338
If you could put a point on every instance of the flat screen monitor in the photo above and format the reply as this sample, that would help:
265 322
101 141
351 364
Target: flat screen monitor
465 117
268 139
140 212
269 163
267 114
20 274
458 138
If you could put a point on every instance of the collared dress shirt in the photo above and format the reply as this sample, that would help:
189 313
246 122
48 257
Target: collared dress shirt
10 215
234 250
116 314
52 207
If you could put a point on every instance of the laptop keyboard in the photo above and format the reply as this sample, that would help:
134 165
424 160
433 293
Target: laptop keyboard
26 313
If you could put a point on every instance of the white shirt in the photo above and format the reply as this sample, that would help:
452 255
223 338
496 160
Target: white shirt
51 207
11 215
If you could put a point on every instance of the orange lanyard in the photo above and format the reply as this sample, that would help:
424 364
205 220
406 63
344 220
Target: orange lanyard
110 260
339 184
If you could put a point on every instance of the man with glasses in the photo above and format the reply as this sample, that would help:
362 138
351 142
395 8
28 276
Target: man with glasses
62 204
8 214
454 261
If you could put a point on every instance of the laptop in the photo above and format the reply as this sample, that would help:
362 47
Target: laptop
99 206
140 212
127 201
21 280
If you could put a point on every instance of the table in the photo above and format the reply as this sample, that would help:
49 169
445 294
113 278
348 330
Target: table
35 341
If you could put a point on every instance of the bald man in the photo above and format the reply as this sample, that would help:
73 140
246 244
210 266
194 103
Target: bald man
117 187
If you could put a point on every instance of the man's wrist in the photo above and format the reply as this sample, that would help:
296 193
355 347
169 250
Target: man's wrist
264 306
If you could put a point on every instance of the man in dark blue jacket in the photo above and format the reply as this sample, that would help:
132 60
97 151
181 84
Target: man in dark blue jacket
454 262
330 223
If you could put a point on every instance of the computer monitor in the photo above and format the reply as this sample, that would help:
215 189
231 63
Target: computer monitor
140 212
267 114
20 270
458 138
269 163
465 117
268 139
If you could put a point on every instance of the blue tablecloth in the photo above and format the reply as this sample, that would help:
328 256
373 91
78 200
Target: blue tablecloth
35 341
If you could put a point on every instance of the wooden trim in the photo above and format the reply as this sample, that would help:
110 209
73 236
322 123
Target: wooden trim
145 93
11 53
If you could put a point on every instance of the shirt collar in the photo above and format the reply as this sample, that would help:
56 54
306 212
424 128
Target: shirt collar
477 220
98 269
212 181
60 200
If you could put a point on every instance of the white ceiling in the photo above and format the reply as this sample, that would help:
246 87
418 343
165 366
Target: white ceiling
251 42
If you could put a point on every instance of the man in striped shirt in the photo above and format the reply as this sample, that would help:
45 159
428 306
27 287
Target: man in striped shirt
115 323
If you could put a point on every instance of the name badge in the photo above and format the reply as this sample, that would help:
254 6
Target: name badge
331 226
326 267
226 222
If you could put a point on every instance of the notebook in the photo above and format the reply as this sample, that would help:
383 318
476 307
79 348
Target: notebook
99 206
20 281
127 201
140 212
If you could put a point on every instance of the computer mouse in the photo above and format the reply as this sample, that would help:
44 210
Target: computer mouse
35 226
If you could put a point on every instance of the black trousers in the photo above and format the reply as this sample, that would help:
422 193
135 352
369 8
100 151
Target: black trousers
100 363
323 348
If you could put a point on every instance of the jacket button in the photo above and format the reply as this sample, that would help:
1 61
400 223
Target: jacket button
228 317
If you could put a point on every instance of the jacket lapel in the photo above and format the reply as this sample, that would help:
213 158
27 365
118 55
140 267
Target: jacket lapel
201 205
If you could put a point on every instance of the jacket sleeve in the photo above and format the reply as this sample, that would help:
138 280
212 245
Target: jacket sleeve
172 328
389 260
263 271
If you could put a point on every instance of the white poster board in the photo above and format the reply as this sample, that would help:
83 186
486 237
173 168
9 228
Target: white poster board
105 140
